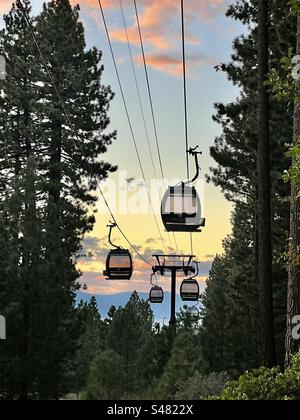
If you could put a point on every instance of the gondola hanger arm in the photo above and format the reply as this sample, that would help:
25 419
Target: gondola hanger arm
196 272
111 226
194 152
151 279
197 268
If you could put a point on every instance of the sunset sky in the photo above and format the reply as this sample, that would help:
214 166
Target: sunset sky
209 40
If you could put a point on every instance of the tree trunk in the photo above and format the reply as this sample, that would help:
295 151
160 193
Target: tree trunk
293 304
264 191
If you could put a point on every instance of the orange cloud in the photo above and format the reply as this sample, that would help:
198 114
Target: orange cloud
97 285
160 24
93 277
161 29
172 64
160 19
149 37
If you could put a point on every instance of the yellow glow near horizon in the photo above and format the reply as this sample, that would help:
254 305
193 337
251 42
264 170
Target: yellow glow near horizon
141 229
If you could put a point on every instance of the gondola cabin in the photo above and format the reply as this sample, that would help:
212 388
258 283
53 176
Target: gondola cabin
156 295
181 209
119 265
190 290
193 313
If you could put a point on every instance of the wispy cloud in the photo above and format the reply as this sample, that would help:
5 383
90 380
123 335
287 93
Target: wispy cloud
160 24
97 285
161 30
5 5
172 63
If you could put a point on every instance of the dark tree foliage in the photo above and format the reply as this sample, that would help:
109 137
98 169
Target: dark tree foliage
52 134
235 152
148 361
230 330
130 329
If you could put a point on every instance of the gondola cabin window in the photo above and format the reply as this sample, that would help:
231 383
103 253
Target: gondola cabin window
119 261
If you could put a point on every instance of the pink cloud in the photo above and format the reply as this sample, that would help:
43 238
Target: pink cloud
161 28
160 24
5 5
160 20
93 277
97 285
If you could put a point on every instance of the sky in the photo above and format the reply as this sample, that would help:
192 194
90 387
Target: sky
209 36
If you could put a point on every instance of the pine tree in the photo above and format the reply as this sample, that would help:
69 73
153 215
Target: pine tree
230 330
106 377
264 226
127 334
9 304
48 163
293 305
215 317
18 125
91 342
235 149
183 363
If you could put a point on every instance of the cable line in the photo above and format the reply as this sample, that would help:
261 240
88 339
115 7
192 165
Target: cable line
149 90
140 103
186 126
185 91
74 132
151 104
129 120
137 88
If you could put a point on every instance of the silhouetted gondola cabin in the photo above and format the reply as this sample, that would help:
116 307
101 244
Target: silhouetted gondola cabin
119 265
156 295
190 290
181 209
193 312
